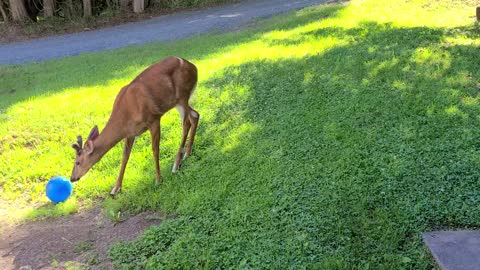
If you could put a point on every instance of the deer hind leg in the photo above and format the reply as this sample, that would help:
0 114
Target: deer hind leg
184 110
155 134
127 149
194 118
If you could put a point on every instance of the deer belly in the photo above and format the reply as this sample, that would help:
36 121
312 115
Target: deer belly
137 129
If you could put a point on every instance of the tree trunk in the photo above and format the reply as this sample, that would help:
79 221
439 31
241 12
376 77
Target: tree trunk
87 8
138 6
48 8
68 9
4 14
478 14
18 10
124 4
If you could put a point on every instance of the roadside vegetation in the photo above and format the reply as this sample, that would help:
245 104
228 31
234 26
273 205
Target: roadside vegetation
330 138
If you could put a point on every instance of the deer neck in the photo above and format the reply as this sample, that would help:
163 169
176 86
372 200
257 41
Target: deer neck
106 140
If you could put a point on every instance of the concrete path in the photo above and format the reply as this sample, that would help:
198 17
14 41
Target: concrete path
455 250
164 28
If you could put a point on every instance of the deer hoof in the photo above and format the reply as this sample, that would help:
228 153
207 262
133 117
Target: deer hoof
114 191
175 167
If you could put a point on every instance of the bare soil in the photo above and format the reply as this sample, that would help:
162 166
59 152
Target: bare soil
79 241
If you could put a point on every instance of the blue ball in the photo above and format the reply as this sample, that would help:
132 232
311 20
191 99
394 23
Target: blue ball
59 189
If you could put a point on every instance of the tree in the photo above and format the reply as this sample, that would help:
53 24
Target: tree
4 14
124 4
18 10
48 8
138 6
68 9
87 8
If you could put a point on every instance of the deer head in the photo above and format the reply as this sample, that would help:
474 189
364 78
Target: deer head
83 161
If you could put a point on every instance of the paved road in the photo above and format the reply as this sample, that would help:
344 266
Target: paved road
164 28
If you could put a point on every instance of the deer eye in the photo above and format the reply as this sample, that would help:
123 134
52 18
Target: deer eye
77 163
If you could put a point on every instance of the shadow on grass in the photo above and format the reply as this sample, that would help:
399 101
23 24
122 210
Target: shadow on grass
332 161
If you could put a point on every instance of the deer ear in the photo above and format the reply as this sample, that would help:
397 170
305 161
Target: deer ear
93 133
89 147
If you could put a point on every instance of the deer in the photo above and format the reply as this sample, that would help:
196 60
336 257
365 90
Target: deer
138 107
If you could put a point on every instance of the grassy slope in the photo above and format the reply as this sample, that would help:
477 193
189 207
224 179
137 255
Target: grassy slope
329 138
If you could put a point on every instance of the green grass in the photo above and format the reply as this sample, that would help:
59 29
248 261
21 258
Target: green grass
330 138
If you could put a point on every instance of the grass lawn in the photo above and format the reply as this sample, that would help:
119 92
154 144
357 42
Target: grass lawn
330 138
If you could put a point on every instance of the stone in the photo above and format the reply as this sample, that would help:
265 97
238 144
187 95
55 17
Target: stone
455 250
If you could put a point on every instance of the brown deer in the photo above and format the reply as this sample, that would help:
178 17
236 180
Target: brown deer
138 107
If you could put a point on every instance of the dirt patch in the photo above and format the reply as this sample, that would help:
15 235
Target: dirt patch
79 241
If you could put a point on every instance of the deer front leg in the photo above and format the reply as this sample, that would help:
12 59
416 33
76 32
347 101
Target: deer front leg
155 134
127 149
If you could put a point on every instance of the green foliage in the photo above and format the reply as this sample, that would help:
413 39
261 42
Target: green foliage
330 138
82 246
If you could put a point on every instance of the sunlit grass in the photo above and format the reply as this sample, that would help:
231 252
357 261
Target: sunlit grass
41 148
330 138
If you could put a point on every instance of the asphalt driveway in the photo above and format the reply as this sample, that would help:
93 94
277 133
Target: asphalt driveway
164 28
